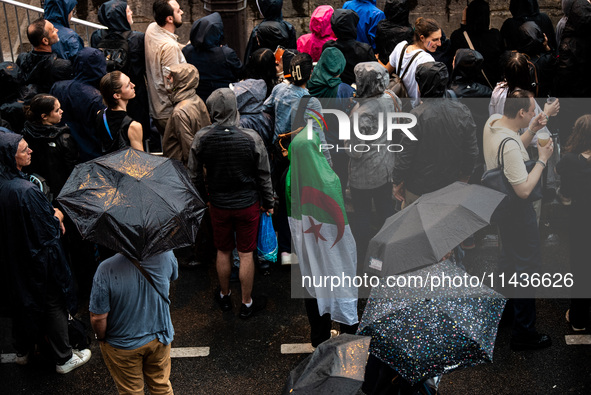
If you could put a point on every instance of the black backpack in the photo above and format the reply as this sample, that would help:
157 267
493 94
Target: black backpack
116 50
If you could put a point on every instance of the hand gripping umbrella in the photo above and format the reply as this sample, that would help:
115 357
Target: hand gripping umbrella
425 231
134 203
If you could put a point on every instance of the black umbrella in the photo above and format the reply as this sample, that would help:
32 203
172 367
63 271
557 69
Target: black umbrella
337 366
422 332
428 229
134 203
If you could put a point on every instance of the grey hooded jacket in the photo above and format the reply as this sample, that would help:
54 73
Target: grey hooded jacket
371 169
234 159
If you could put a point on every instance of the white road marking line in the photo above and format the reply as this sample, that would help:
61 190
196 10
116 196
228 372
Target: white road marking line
8 358
574 340
297 348
188 352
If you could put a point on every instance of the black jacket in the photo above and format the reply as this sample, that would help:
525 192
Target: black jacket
43 69
237 173
344 26
272 31
31 257
530 41
574 55
465 75
394 29
486 41
218 64
523 11
446 147
55 153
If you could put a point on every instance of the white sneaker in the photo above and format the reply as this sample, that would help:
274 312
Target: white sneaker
84 355
289 259
78 359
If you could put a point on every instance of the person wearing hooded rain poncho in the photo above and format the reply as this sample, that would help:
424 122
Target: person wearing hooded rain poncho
81 100
326 85
369 16
370 171
36 281
218 64
487 42
394 29
445 149
321 237
272 31
321 32
188 116
59 12
230 169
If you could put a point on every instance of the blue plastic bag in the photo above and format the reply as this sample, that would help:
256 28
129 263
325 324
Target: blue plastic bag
267 240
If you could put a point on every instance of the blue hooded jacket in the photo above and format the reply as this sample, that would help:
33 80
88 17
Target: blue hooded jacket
81 100
218 65
56 12
31 256
369 16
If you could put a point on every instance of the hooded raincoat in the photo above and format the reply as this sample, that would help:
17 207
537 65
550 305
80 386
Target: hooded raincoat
394 29
369 16
488 42
446 148
55 153
56 12
32 259
234 158
523 11
566 5
574 55
530 41
371 169
466 72
43 69
113 14
81 101
250 96
218 64
272 31
344 26
320 32
189 114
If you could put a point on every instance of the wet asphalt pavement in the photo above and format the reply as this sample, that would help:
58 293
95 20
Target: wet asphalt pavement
245 357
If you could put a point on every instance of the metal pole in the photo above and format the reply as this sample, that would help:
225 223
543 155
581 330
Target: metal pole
8 32
18 28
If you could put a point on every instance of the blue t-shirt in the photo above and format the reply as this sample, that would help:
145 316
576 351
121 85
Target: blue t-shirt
137 313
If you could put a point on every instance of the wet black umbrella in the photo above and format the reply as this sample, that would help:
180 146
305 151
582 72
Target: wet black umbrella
134 203
337 366
422 332
428 229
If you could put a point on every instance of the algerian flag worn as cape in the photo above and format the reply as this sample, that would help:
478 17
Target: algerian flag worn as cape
320 230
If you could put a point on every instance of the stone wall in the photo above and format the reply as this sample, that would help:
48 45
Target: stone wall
447 12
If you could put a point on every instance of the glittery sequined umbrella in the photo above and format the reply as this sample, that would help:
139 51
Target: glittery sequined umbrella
425 231
134 203
422 332
337 366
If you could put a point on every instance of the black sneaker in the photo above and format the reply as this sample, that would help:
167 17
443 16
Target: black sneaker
534 342
258 304
224 302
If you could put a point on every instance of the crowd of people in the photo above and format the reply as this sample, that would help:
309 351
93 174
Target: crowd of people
229 122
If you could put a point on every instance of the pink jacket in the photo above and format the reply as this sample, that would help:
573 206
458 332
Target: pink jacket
321 32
